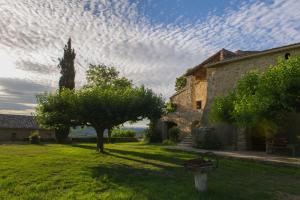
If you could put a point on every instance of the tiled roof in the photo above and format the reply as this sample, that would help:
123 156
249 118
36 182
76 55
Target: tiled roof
255 54
17 121
224 56
221 55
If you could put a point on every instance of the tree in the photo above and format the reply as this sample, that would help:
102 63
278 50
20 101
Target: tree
103 76
261 98
106 108
67 80
180 83
66 66
98 107
56 111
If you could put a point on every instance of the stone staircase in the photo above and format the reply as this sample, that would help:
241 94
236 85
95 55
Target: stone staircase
186 142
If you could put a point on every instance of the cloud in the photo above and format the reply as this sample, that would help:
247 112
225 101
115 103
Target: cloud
19 95
33 34
36 67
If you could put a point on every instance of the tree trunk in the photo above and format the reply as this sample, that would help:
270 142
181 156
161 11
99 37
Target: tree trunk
61 135
109 135
100 139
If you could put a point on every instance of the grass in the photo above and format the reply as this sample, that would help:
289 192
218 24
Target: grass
131 171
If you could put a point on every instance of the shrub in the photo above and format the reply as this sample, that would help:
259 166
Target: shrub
123 133
170 107
174 133
180 83
34 137
211 141
261 96
169 142
151 136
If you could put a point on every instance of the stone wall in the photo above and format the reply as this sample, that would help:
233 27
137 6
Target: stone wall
200 92
186 113
183 98
23 134
223 77
183 120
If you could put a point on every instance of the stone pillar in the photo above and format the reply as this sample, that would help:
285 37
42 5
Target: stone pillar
241 139
162 127
200 181
164 133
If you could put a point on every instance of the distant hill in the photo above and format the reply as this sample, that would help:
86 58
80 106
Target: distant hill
90 131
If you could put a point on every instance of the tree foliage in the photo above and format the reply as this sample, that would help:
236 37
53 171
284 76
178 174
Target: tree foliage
103 76
180 83
102 108
67 80
170 107
67 69
264 97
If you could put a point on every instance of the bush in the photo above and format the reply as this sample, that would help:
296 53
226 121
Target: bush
180 83
151 136
211 141
170 107
261 96
123 133
169 143
34 137
174 133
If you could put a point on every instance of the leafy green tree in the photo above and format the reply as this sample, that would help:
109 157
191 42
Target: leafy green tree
57 111
103 76
261 98
101 108
180 83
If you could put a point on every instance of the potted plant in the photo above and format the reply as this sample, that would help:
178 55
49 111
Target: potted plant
200 167
34 137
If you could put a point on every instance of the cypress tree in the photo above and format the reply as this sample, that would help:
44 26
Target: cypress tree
67 69
67 80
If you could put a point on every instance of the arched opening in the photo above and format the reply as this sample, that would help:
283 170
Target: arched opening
287 56
170 124
172 132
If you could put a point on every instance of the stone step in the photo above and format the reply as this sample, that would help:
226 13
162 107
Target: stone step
191 142
186 142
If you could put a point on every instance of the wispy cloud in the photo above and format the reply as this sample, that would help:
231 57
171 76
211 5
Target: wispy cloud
33 33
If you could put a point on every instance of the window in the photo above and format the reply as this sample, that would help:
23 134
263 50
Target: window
199 105
287 56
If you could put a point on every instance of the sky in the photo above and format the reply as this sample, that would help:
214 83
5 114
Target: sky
149 41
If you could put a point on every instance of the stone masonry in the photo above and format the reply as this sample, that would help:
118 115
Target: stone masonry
214 77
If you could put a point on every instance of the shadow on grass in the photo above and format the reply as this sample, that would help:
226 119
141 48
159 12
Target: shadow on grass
133 155
145 162
145 183
157 156
82 146
23 143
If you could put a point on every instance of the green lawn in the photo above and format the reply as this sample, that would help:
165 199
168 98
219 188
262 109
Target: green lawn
131 171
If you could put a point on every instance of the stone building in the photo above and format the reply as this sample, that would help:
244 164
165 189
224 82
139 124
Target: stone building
19 128
213 77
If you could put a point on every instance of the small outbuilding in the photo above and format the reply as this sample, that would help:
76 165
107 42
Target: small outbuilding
19 128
